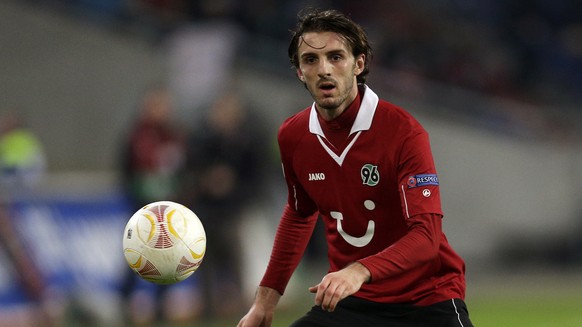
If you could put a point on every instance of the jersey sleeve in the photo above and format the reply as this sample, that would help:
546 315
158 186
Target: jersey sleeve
291 239
418 180
418 246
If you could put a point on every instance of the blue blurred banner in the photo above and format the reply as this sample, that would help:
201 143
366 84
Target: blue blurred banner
75 242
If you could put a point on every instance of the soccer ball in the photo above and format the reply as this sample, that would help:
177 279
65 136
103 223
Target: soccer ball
164 242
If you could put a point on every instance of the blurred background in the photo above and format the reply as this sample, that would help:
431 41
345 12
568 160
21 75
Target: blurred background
109 104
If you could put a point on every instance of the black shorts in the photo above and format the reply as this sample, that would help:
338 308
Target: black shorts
353 311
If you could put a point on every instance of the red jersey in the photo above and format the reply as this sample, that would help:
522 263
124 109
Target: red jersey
378 195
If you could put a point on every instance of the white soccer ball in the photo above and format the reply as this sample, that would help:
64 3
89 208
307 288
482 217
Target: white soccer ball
164 242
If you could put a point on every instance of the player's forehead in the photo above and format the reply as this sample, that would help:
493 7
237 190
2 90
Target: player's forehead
313 42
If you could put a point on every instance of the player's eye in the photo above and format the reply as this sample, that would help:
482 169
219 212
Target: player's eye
309 59
336 57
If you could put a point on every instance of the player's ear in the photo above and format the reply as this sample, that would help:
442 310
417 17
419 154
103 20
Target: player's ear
300 75
360 64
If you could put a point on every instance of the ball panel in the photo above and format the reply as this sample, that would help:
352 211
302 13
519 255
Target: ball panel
146 228
197 248
177 224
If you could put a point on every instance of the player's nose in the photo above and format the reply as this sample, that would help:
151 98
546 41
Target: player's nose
324 68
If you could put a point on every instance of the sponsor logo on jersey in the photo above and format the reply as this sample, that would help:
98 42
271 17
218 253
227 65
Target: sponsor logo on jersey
370 175
316 177
422 180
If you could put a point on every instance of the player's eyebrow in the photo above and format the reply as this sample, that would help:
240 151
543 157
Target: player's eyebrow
328 53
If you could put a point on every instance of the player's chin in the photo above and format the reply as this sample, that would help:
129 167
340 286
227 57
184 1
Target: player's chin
328 103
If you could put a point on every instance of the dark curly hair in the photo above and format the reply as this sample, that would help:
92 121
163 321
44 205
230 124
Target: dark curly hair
315 20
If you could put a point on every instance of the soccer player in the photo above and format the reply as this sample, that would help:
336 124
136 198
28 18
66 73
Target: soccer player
365 167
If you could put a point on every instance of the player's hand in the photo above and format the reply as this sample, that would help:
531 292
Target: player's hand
256 318
261 313
338 285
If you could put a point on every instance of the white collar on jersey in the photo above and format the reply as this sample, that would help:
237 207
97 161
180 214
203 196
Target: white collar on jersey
362 123
363 119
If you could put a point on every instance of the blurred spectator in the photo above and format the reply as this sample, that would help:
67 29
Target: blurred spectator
22 159
154 152
22 163
225 156
153 159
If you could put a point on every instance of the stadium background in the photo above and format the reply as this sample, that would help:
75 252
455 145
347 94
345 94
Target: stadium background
498 88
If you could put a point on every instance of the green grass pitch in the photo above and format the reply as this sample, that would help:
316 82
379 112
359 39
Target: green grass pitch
521 299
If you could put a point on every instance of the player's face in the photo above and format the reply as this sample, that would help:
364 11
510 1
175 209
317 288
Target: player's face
329 71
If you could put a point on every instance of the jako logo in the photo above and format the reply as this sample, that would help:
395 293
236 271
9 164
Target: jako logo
316 176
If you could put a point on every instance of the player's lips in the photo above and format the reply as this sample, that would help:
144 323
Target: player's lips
326 87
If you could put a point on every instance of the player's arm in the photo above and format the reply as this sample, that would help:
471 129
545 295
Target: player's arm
419 245
291 240
293 233
297 221
421 209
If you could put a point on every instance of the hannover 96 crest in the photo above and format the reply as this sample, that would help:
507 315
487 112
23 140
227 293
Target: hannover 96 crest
370 175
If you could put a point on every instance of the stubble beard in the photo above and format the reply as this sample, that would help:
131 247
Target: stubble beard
334 103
